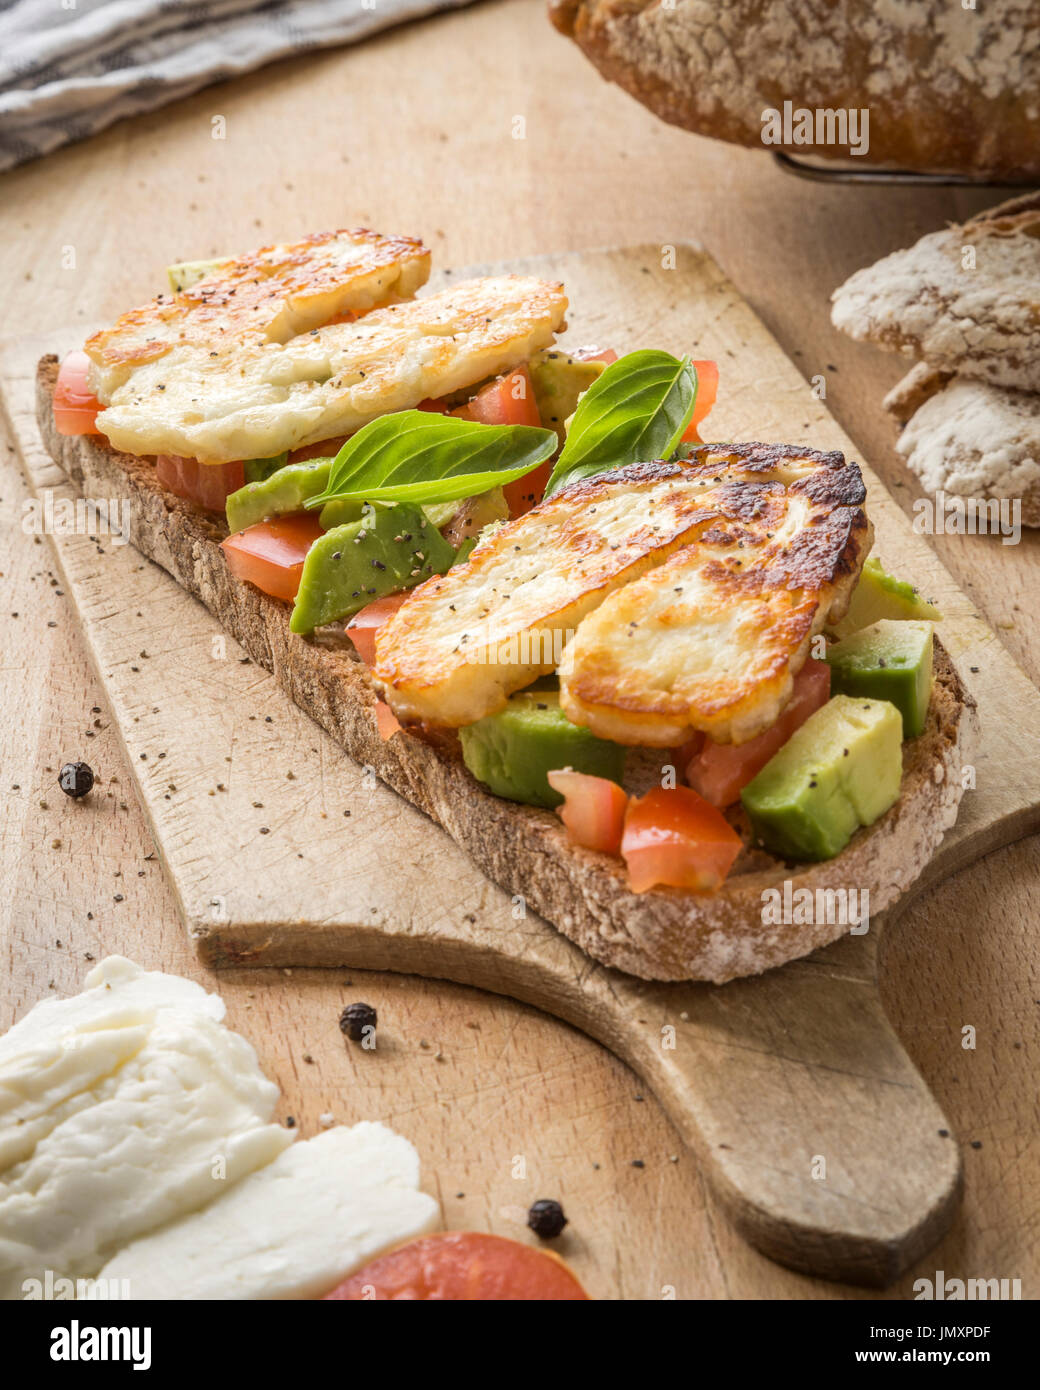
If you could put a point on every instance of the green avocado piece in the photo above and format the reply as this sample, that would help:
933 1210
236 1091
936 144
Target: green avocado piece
880 595
284 491
512 750
340 511
187 273
389 549
841 769
887 661
558 380
257 470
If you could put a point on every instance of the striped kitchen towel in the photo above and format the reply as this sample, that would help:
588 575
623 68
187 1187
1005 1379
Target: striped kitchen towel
69 68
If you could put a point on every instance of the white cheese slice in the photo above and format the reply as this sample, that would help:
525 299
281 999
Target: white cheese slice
294 1229
121 1109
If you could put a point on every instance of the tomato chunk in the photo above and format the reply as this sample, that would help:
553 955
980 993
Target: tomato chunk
364 627
75 405
386 720
720 770
509 400
271 553
707 390
208 485
595 354
325 448
593 809
463 1266
673 837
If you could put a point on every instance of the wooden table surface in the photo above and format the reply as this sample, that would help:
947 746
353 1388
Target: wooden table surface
489 135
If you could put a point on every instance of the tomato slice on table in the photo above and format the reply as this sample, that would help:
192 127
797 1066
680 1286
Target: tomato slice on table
75 405
271 553
206 484
364 627
675 838
707 390
463 1266
721 770
593 809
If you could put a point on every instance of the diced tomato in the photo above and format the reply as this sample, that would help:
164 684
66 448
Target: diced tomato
686 752
594 354
325 448
526 492
271 553
208 485
386 720
707 390
509 400
364 627
721 770
673 837
434 406
75 405
463 1266
593 809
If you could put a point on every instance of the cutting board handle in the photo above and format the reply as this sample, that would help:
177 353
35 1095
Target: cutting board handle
809 1119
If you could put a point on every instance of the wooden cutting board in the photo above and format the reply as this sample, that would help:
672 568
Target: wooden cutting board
810 1121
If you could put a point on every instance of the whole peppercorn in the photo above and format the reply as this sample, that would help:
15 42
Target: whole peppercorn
354 1019
76 779
546 1218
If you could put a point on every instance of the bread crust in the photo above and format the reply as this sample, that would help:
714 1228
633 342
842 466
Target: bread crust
663 934
949 89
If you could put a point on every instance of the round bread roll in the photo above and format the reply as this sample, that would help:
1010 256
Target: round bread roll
948 89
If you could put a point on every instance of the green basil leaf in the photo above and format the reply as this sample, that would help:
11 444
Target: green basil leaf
637 410
418 456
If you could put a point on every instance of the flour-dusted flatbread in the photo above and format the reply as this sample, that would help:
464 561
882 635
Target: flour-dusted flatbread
971 439
966 300
919 385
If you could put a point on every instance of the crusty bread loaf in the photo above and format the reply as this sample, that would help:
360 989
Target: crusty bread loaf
663 934
949 89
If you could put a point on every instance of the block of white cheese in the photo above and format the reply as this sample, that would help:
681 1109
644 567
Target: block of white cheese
121 1109
294 1229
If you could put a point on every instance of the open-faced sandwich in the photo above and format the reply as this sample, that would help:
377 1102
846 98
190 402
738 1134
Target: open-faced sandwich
644 680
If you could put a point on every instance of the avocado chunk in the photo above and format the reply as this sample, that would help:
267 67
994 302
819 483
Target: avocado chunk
513 750
880 595
840 770
389 549
283 492
187 273
558 380
887 661
257 470
340 511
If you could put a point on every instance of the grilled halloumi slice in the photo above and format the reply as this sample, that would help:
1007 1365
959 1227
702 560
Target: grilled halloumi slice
268 296
711 640
463 642
252 400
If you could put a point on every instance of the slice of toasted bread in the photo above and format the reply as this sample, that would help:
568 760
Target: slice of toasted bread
663 934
